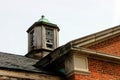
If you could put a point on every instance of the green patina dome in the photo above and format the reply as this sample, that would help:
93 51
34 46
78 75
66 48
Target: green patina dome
43 19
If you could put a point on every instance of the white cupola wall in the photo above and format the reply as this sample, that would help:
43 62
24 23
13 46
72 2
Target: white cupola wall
43 37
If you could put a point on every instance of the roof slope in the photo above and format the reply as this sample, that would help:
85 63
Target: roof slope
18 62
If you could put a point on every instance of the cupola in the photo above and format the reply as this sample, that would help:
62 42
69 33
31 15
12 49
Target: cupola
43 38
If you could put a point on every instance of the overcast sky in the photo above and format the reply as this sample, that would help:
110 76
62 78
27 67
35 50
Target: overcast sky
75 18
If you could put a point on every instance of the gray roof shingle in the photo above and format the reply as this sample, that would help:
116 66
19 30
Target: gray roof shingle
18 62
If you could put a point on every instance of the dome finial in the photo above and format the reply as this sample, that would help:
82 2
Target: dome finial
42 16
43 19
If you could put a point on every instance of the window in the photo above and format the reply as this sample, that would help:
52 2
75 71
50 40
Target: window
49 38
32 39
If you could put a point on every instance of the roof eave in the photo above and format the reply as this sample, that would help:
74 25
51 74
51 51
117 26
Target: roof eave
98 55
97 37
63 50
36 24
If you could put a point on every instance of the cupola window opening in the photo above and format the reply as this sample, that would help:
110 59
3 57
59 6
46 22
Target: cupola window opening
32 39
49 37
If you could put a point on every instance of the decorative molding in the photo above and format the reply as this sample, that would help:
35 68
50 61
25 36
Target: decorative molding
76 63
97 37
98 55
78 72
80 63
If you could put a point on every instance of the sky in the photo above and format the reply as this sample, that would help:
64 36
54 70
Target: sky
75 18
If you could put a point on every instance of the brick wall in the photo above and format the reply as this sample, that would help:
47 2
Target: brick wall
99 70
111 46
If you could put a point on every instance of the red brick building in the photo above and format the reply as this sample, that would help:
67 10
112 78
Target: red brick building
93 57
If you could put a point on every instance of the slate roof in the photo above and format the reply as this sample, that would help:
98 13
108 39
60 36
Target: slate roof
18 62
